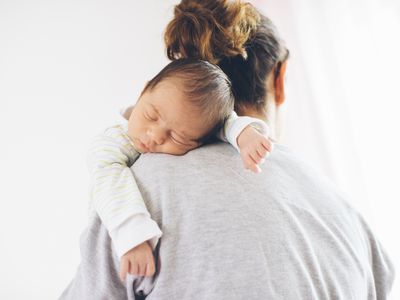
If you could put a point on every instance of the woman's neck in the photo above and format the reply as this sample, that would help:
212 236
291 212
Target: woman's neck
269 116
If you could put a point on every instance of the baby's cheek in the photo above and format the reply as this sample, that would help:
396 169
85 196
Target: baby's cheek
172 148
136 128
131 131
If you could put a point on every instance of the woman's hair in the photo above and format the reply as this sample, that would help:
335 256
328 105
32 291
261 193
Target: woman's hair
233 35
205 87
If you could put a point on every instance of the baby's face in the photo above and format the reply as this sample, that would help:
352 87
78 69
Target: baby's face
162 121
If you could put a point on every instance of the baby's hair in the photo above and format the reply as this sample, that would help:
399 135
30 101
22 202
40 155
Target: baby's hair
205 86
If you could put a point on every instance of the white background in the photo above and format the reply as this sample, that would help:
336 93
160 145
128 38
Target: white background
66 67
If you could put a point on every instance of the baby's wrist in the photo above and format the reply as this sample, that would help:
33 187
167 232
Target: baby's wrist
261 127
243 136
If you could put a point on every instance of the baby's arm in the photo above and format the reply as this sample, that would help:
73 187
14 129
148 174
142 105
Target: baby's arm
115 195
250 137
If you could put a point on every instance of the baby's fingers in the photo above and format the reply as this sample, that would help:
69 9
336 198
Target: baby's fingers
146 267
256 157
262 152
250 164
134 268
150 269
124 268
255 168
142 268
268 145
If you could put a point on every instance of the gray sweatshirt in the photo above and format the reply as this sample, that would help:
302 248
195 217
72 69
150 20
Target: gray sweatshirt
286 233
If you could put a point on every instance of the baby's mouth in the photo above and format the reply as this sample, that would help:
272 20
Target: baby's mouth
144 146
140 146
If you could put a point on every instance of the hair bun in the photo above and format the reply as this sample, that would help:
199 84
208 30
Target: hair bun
210 30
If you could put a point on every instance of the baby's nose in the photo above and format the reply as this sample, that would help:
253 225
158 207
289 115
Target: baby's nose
159 139
158 136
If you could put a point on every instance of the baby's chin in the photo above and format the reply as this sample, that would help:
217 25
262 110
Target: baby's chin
142 148
171 152
180 152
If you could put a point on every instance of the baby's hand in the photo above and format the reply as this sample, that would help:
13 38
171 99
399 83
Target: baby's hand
254 147
138 261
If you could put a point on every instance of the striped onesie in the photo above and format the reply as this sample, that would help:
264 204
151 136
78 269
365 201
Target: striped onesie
114 194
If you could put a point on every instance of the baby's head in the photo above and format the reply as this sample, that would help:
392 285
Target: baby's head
181 108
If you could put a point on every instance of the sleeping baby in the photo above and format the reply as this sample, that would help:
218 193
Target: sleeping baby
184 106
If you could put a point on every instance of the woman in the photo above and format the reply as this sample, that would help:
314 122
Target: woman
228 235
243 42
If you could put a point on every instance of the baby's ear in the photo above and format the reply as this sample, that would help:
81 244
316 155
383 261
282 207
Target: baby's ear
128 112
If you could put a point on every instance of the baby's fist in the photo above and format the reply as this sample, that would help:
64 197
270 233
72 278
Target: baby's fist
138 261
254 147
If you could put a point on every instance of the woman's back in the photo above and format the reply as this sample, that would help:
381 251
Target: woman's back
230 234
283 234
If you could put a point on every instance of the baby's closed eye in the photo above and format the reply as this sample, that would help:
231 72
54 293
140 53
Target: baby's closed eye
149 116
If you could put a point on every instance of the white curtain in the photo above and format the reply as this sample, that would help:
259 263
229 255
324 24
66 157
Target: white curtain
342 110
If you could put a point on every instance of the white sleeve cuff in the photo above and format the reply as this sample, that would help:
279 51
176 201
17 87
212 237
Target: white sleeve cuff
241 123
134 231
